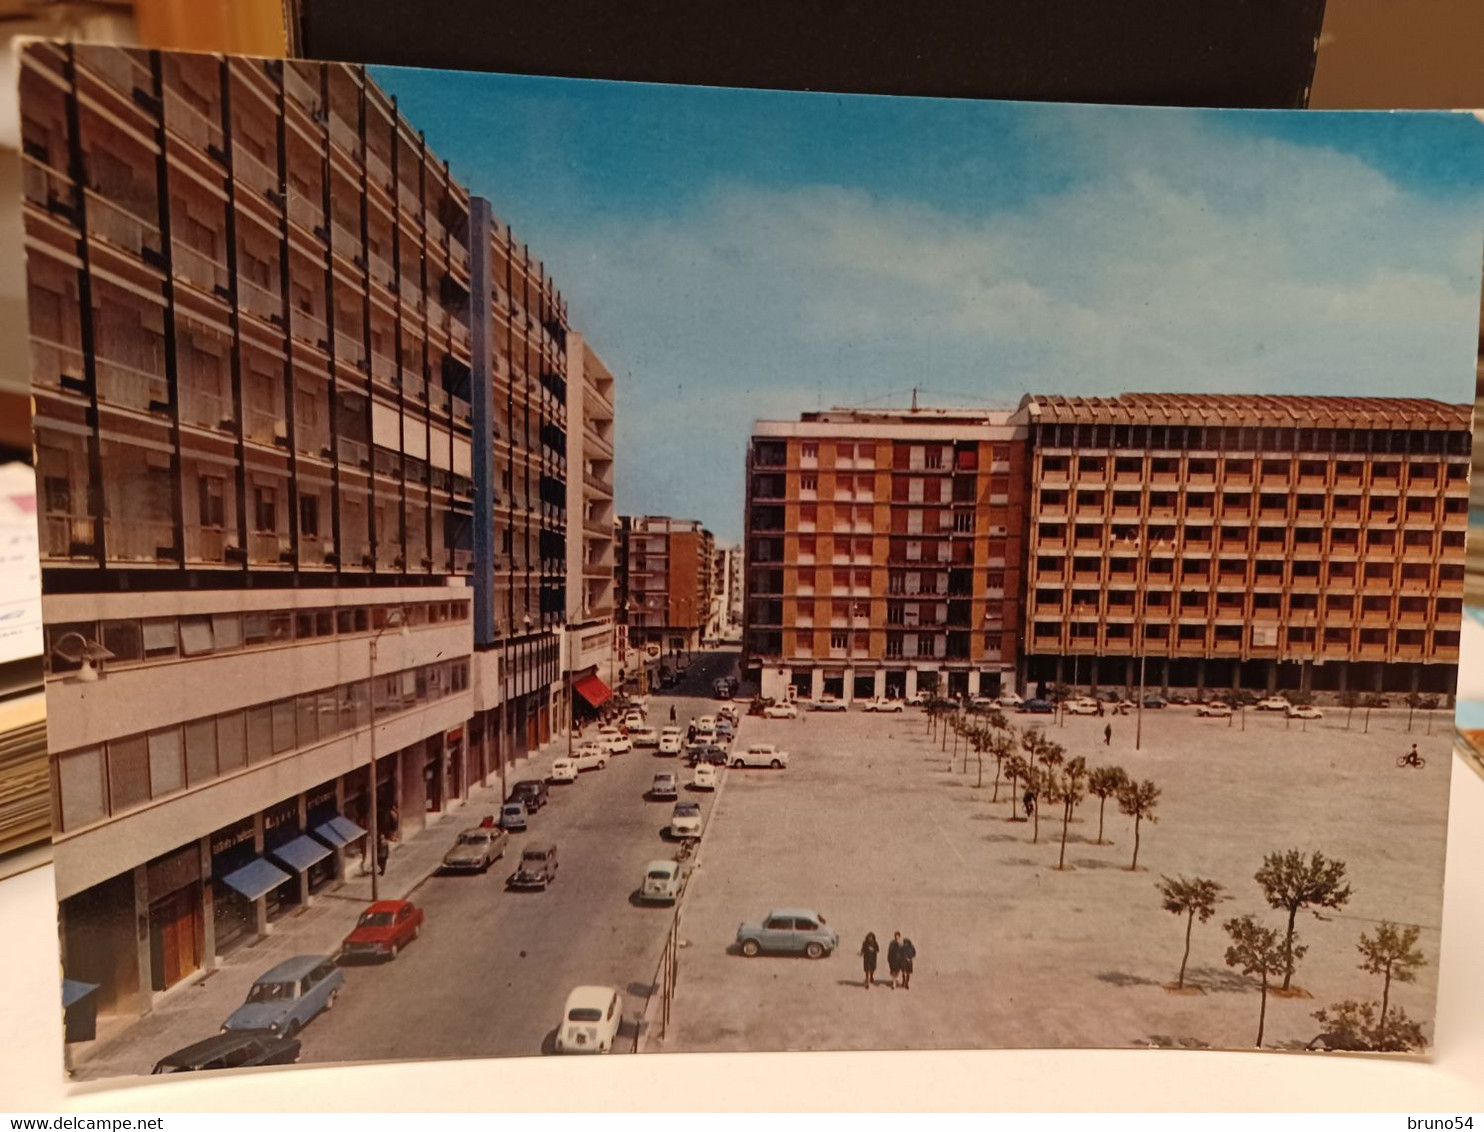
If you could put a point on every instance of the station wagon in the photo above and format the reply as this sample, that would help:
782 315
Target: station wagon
287 997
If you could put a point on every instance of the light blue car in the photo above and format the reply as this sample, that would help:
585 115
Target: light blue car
788 930
286 998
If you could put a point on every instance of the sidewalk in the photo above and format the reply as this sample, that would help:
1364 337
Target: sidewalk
196 1008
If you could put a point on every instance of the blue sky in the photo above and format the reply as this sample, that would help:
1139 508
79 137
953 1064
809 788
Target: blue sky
742 254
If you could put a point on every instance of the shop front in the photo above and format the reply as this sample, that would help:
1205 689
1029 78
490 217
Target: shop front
320 810
238 875
281 835
176 925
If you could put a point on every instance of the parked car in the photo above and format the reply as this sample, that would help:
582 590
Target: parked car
1304 711
789 930
665 785
614 741
645 736
590 756
662 883
786 710
829 703
1274 703
685 820
1010 699
672 742
760 754
731 712
563 770
1215 709
1180 699
236 1050
725 732
707 754
286 998
475 850
706 777
590 1020
1083 705
1036 707
1155 702
383 930
881 703
513 816
705 723
537 869
633 719
531 791
918 699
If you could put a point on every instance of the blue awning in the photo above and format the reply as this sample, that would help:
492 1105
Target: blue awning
256 878
339 831
74 991
301 852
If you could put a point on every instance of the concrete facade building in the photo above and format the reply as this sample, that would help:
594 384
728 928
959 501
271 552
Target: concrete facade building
728 602
301 446
666 582
884 553
1243 541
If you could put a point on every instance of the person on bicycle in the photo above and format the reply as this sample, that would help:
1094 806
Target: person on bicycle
1412 758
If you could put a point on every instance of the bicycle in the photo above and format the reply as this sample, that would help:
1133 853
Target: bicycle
1411 758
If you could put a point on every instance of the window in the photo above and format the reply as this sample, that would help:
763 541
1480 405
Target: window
213 502
231 741
123 639
839 640
309 515
128 772
80 787
195 636
265 509
159 637
200 750
283 726
259 732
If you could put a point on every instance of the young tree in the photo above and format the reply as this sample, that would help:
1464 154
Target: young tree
1105 782
1016 768
1234 701
1392 954
1414 701
1137 800
1371 703
1049 760
1255 950
1292 881
1189 898
1429 705
1001 746
1067 791
1349 700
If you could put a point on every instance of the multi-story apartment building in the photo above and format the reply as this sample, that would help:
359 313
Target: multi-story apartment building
301 450
883 553
591 664
1222 541
727 612
666 581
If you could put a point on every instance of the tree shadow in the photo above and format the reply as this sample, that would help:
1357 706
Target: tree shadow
1165 1041
1220 980
1124 979
640 990
1000 837
1095 863
1022 861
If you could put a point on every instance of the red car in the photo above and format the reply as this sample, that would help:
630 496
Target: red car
383 930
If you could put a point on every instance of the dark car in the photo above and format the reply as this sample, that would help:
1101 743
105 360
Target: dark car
707 753
538 866
231 1051
1180 698
532 791
1037 707
1155 702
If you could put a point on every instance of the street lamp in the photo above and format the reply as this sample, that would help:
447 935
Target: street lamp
82 651
396 619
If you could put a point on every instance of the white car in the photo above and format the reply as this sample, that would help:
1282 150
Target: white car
881 703
590 756
590 1020
1082 706
666 785
1010 699
705 736
829 703
614 741
760 754
672 742
918 699
787 710
645 736
633 719
563 770
685 820
663 882
1274 703
706 723
1304 711
706 777
1214 709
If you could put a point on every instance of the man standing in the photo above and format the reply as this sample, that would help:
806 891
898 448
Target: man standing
383 851
894 958
1108 735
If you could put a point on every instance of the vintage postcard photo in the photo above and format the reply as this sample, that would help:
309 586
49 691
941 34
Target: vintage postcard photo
536 567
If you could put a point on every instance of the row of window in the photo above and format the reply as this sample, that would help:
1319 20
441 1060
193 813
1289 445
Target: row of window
121 774
134 640
1277 440
1234 571
1262 636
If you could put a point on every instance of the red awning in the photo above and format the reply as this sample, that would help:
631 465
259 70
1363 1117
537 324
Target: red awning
593 690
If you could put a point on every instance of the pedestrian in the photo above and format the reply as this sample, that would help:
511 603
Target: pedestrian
383 851
1107 734
1028 800
894 958
909 953
869 950
1100 708
393 822
672 713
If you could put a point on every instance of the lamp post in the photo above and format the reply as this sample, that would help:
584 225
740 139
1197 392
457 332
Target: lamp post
396 619
82 651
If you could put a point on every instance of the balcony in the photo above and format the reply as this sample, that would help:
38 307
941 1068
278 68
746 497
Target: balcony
309 327
379 171
265 426
51 362
251 170
208 544
67 536
343 134
307 212
381 269
462 412
130 387
202 132
122 229
139 541
266 548
261 302
50 190
204 272
206 409
350 348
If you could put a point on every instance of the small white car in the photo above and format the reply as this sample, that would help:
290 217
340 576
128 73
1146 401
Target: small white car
672 742
918 699
1304 711
1215 709
563 770
705 736
706 777
645 736
614 741
590 756
590 1020
787 710
665 785
706 723
685 820
881 703
760 754
1274 703
662 883
1082 706
633 719
829 703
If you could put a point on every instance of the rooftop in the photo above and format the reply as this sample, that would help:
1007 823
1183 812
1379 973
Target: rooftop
1249 410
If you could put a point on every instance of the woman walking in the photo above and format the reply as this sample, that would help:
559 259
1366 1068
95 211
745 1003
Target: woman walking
909 953
869 950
